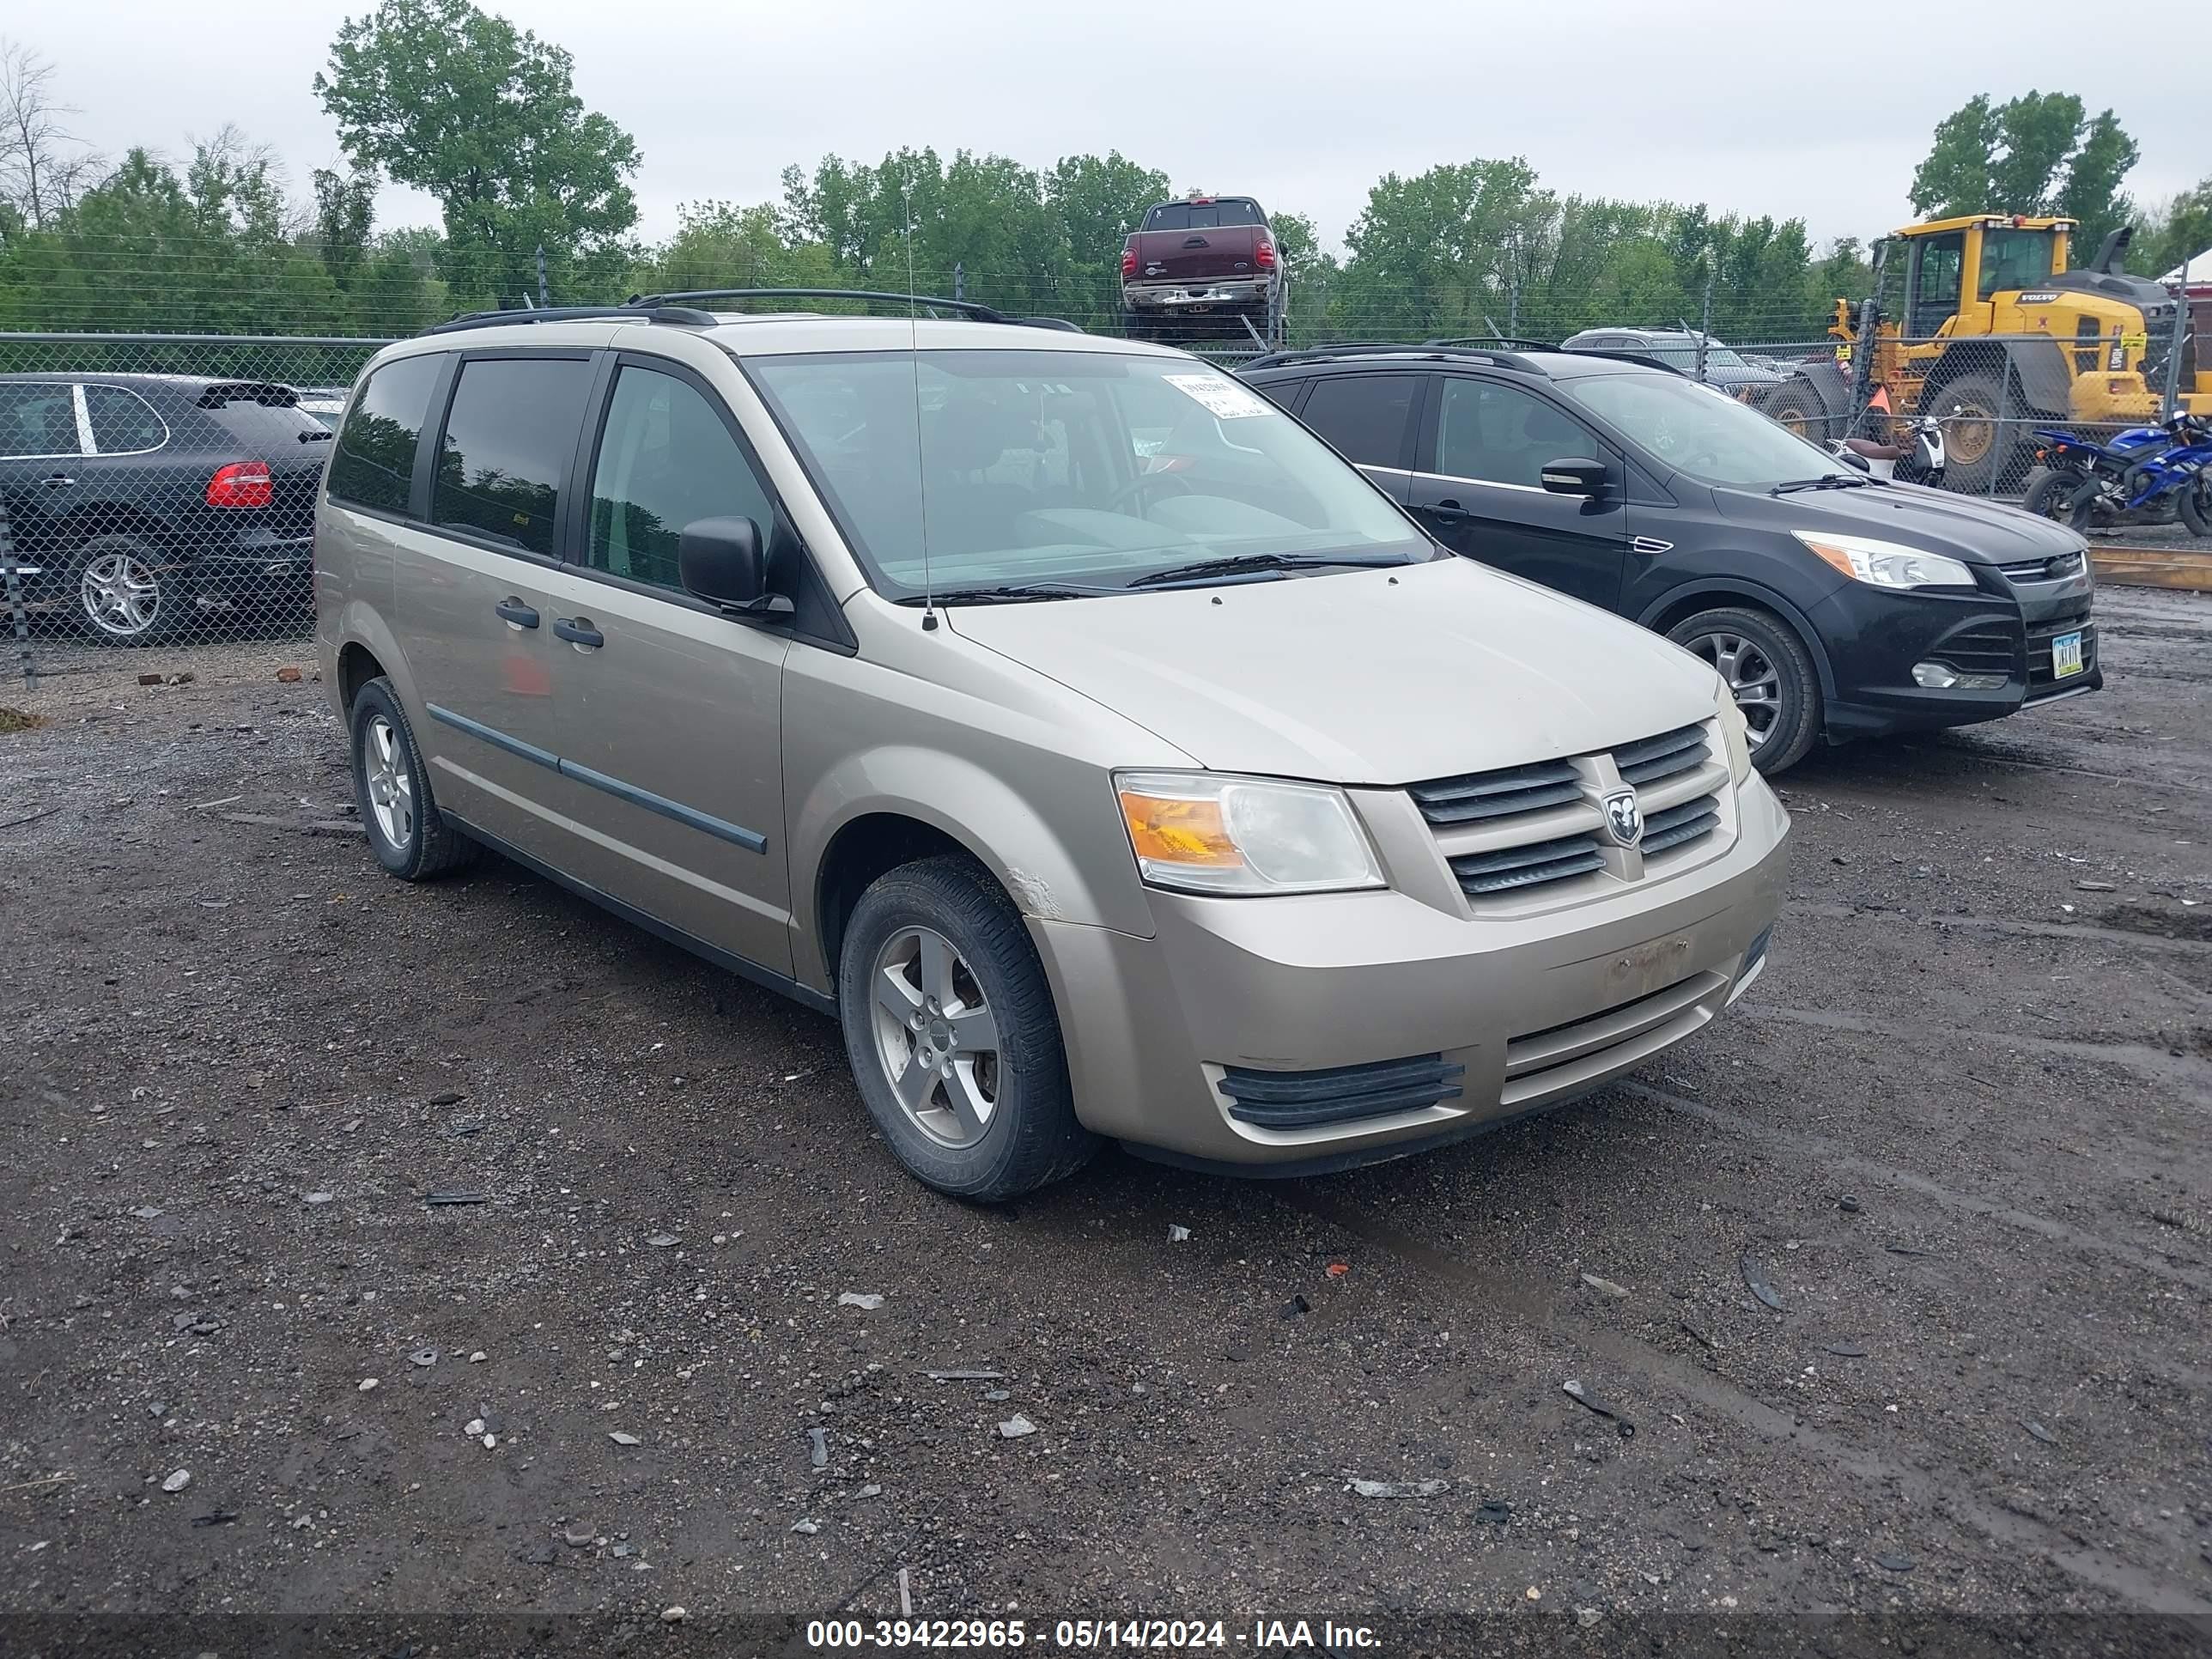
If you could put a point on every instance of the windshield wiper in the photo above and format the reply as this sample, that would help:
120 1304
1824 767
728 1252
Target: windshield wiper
1008 593
1206 568
1826 481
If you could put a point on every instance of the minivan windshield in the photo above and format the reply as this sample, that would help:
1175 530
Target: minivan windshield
1083 469
1716 441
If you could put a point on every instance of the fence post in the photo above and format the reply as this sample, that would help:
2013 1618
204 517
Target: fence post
1705 324
544 294
1513 304
2170 403
2001 450
14 580
959 279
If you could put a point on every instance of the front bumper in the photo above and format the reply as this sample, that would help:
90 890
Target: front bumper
1198 295
1514 1012
1874 637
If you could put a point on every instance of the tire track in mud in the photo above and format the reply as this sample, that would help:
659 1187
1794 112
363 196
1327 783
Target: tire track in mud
1938 1491
2160 1063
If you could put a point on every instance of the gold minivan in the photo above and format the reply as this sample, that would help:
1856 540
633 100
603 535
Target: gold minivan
1103 751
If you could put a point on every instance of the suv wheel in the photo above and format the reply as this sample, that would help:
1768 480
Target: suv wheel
122 597
950 1027
1770 674
407 834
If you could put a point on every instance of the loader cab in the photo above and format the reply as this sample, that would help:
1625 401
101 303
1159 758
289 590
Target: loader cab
1958 268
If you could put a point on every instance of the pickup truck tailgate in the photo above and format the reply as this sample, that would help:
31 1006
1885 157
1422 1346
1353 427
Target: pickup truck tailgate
1189 255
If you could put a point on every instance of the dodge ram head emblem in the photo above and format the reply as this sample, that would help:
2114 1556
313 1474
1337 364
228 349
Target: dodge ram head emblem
1624 818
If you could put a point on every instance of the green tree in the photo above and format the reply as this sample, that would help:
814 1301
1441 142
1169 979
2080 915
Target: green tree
1095 202
1437 252
2037 154
2174 232
485 117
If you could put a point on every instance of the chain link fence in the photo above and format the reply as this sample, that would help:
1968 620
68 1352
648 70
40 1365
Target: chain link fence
158 490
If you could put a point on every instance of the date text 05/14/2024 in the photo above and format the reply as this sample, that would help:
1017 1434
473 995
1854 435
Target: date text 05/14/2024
1167 1635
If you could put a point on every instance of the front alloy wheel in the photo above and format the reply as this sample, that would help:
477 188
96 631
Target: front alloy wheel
936 1037
1753 680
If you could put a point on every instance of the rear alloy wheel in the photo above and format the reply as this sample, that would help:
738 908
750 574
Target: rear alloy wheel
1769 674
2064 498
406 832
2194 504
122 597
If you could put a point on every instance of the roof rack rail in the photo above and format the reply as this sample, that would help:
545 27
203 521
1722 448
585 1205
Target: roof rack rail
981 313
652 313
1508 341
1436 348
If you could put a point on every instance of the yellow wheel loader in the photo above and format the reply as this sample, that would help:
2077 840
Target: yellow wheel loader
1979 321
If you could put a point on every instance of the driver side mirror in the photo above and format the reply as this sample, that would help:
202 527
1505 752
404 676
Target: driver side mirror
722 562
1574 475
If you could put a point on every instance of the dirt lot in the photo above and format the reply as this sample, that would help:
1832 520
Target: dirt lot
239 1062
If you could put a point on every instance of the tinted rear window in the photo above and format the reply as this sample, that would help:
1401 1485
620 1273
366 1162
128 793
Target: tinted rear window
1364 415
122 422
509 437
1204 215
375 458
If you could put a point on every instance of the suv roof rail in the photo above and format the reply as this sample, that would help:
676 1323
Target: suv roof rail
981 313
1398 348
650 312
1482 341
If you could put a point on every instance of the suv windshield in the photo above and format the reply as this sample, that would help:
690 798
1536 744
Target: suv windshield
1714 439
1073 467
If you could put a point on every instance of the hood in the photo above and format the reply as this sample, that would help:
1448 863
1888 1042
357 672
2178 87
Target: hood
1964 526
1368 677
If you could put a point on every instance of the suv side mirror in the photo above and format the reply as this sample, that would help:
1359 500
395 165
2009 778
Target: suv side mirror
1574 475
721 561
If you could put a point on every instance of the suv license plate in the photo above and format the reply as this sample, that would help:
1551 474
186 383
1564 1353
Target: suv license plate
2066 655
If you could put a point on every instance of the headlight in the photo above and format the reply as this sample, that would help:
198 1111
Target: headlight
1886 564
1736 734
1206 832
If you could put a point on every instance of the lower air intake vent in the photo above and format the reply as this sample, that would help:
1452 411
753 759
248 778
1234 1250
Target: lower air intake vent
1339 1094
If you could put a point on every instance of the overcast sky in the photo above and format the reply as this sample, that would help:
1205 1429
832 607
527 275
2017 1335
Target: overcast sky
1818 111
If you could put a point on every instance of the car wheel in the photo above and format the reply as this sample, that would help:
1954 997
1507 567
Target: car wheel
1770 674
949 1026
127 593
409 836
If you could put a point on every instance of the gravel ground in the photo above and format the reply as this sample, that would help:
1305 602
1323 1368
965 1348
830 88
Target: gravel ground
1959 1130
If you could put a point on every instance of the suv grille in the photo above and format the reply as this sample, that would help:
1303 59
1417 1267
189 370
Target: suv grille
2040 680
1524 827
2057 569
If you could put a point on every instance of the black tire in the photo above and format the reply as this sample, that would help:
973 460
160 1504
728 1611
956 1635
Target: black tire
1031 1136
1796 719
122 591
1977 443
2064 498
429 844
1797 405
2194 504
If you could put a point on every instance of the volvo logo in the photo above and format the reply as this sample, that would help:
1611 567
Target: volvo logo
1624 818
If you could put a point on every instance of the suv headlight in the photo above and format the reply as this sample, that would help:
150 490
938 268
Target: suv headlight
1210 832
1735 733
1886 564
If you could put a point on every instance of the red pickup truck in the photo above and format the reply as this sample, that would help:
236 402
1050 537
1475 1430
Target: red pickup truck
1201 265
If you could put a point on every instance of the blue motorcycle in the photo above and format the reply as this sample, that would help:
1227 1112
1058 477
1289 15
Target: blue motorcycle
2142 475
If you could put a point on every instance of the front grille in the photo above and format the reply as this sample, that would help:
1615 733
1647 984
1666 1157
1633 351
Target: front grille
1678 826
1992 649
1679 750
2040 679
1497 794
1552 807
1538 862
2057 568
1339 1094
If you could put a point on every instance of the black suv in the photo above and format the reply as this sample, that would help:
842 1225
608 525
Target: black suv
1834 603
135 499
